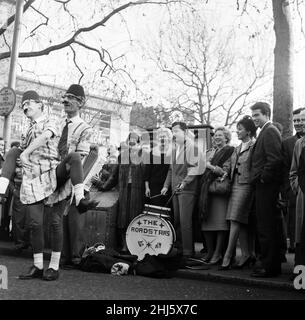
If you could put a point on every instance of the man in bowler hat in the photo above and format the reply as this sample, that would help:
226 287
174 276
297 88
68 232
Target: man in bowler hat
75 138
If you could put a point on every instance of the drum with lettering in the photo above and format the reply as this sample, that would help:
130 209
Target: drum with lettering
150 233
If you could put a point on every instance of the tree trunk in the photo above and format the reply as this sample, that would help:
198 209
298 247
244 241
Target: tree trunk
283 72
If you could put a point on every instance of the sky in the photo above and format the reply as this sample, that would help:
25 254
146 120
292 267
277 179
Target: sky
142 24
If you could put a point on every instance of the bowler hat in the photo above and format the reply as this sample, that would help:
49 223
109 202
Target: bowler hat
30 95
76 90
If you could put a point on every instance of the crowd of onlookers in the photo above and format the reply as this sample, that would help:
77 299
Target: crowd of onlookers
249 196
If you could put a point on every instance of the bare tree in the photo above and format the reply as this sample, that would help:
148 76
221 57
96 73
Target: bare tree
102 12
283 59
283 71
213 82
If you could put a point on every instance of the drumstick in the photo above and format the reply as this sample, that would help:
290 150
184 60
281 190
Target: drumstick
168 201
158 195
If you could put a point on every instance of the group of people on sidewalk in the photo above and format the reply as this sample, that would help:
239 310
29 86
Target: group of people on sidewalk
237 194
249 193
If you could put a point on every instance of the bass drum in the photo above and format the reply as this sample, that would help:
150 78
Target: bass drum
150 234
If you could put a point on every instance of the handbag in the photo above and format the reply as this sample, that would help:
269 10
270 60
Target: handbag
220 186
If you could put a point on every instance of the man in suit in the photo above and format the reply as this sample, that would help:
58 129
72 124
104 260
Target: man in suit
265 166
296 177
286 191
182 179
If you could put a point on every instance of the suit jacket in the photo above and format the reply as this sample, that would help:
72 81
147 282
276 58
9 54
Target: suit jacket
186 168
266 157
287 152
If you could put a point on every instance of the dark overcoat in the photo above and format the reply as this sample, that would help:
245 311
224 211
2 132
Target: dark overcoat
130 203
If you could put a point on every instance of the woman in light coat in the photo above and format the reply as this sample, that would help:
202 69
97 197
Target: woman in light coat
241 195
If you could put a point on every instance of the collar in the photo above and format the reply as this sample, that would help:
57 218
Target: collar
39 119
247 144
76 119
269 121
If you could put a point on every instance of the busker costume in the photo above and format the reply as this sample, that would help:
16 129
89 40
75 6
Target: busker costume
43 173
75 138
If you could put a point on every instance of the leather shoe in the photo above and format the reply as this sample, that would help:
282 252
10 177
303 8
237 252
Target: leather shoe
263 273
85 205
51 274
33 273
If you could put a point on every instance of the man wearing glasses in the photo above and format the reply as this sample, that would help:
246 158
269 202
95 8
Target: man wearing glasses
75 138
43 173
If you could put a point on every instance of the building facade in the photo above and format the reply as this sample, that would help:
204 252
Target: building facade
109 119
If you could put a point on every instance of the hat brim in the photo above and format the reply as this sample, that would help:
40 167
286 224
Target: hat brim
28 100
67 95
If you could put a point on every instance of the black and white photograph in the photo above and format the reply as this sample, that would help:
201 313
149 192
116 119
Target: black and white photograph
152 153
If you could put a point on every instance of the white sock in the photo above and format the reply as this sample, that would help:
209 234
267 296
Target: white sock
38 260
3 184
54 263
79 192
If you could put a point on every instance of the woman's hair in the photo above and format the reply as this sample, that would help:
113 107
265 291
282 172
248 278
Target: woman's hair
164 131
225 131
248 124
181 124
133 135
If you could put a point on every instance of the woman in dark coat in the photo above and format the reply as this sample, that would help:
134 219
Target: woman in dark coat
128 175
157 167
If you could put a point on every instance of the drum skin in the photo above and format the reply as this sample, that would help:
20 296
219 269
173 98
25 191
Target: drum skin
150 234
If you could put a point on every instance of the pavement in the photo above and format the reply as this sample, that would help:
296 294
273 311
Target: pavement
240 277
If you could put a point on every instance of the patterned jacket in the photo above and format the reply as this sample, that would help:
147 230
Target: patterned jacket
40 181
79 133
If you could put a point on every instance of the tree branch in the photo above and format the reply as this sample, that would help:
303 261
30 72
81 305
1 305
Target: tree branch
11 19
77 66
101 23
41 24
98 52
5 41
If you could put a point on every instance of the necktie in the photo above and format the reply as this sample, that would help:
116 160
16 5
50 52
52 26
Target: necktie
30 134
62 145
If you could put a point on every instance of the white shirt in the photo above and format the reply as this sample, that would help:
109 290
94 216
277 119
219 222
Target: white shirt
269 121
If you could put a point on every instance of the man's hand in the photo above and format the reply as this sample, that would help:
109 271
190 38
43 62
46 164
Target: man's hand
164 191
180 187
147 192
25 160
